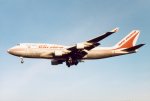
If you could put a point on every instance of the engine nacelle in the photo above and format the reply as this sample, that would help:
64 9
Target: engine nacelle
56 62
58 53
80 46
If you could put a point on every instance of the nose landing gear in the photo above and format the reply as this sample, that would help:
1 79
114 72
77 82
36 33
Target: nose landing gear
22 61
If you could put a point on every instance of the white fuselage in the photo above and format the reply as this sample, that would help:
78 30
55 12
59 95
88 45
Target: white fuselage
51 51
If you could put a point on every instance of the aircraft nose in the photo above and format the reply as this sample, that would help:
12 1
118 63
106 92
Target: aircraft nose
10 51
16 51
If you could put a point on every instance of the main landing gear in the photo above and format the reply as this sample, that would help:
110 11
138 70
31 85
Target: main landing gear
70 61
22 61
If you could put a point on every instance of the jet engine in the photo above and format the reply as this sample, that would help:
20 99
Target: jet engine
58 53
80 46
56 62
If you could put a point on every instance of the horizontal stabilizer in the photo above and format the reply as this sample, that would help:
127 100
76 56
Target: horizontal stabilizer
134 48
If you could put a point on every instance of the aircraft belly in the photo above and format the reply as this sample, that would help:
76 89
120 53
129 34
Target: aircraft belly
98 54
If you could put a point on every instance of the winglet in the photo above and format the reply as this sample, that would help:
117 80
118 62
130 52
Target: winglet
115 30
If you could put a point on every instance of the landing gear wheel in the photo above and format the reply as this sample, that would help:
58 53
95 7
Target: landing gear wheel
22 60
76 62
68 64
69 61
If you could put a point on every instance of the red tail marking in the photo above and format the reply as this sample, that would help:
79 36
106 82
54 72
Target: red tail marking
128 41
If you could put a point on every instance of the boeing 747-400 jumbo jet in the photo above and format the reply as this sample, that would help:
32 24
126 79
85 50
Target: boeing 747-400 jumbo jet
72 55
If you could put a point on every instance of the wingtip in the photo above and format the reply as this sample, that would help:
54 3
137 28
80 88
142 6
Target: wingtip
115 30
143 44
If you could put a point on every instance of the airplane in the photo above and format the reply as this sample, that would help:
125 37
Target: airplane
79 52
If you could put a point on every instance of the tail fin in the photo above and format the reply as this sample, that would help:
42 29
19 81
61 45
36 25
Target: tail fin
129 40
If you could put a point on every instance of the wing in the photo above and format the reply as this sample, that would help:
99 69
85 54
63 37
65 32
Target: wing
90 44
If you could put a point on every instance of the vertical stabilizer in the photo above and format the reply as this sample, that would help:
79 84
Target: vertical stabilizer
129 41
